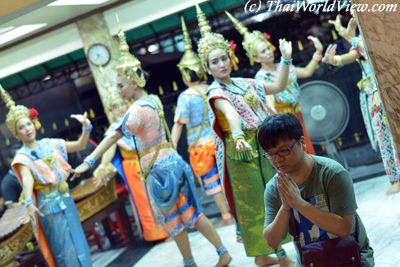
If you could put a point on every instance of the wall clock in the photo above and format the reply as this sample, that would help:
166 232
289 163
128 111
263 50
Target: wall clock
99 54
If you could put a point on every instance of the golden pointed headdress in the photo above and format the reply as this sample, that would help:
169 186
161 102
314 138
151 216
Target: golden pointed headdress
190 60
250 39
16 112
209 40
128 65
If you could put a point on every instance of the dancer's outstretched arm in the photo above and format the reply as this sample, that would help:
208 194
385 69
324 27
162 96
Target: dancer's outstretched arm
283 71
104 145
80 144
308 71
331 58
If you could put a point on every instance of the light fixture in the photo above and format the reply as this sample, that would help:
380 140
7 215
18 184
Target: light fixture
5 29
46 78
77 2
19 31
153 47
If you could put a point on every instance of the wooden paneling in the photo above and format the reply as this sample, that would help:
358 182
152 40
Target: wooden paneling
381 35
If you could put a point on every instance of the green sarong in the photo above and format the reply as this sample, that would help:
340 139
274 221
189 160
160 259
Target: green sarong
248 180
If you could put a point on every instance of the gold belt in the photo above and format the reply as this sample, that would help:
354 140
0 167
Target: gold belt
155 148
62 188
287 108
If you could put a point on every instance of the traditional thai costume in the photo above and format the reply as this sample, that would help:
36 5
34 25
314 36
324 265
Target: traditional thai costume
244 174
286 101
59 232
192 110
61 225
168 178
375 119
127 164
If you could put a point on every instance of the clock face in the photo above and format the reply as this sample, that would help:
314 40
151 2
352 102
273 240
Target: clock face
98 54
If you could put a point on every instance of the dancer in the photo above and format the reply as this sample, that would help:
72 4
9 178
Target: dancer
42 169
259 49
370 103
192 111
238 109
123 157
167 176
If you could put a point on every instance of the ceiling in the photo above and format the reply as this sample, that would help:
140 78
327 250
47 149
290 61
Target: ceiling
58 43
28 12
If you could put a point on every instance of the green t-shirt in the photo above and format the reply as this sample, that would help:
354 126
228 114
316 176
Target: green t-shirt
329 188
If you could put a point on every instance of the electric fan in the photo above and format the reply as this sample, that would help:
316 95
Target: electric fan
326 114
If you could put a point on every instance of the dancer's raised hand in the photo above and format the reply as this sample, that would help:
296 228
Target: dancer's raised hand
81 118
317 43
286 48
330 53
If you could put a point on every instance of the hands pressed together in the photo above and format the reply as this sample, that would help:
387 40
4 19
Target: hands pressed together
289 192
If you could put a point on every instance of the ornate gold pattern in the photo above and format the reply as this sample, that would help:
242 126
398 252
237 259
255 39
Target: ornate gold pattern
89 206
251 99
14 244
250 39
15 113
128 65
190 60
49 160
209 40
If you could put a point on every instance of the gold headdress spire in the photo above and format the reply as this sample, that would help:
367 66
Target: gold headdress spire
209 40
250 39
190 60
186 36
128 65
7 98
239 26
205 28
15 112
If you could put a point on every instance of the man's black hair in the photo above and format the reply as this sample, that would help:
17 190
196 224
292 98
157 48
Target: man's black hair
279 127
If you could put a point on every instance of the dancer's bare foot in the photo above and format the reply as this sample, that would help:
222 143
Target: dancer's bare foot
224 260
266 261
394 189
286 262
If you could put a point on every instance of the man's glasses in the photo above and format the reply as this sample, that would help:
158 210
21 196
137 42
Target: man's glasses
282 153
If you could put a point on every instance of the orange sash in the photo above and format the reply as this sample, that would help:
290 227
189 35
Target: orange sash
202 158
